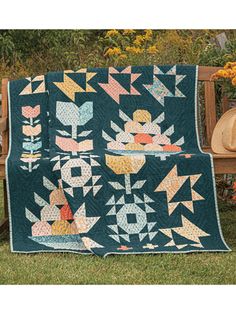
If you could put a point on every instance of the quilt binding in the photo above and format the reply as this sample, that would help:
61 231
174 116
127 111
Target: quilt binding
120 253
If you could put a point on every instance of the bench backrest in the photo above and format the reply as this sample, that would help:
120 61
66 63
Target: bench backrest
204 75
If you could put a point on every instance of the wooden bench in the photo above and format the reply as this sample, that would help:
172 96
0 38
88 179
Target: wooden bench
223 164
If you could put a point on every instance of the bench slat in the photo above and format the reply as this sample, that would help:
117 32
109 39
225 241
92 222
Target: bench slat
3 124
210 109
205 72
4 115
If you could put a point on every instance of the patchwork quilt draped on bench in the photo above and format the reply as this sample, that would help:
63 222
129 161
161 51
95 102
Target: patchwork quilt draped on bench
107 160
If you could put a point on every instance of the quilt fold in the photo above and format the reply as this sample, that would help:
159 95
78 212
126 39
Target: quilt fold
108 161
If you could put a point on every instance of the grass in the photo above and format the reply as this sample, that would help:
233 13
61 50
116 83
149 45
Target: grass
65 268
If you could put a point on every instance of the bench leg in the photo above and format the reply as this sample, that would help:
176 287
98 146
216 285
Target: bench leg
4 223
5 198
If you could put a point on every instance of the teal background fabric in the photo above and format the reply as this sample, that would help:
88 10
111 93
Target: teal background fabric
123 172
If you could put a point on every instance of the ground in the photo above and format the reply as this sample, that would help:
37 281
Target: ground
66 268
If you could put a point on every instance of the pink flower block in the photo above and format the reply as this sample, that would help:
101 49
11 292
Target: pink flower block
29 130
30 112
70 145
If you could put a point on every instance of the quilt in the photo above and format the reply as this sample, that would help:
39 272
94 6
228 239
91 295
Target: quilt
108 161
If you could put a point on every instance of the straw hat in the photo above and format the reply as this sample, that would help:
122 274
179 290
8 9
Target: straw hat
224 135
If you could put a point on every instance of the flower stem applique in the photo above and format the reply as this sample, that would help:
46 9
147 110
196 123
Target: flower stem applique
32 142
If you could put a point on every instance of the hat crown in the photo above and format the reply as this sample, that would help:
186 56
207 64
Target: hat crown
229 134
223 139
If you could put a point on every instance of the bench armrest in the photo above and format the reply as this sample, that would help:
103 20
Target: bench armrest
3 124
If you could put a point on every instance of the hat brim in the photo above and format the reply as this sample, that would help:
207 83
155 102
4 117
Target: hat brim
216 140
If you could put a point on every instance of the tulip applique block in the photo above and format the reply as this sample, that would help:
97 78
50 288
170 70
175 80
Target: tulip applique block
72 116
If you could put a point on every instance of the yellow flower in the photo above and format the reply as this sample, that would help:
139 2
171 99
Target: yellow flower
234 70
128 32
225 73
139 39
122 56
152 49
231 72
112 33
112 51
230 65
148 34
139 50
234 81
108 52
116 51
222 73
134 50
128 48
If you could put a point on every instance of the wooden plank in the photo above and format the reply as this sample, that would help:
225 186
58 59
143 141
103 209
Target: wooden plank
225 104
5 147
5 134
5 202
2 171
207 149
205 73
2 167
210 109
3 159
223 163
225 166
3 124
